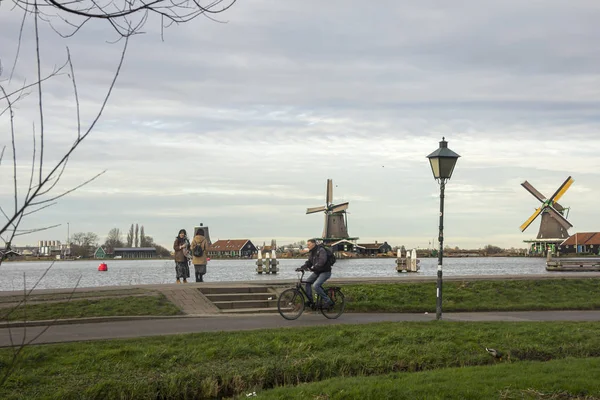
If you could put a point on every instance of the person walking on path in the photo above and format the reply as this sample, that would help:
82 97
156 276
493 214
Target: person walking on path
199 247
181 247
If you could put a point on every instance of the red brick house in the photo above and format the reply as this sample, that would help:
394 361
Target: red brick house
232 248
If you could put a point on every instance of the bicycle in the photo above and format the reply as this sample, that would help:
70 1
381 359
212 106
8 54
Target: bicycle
292 301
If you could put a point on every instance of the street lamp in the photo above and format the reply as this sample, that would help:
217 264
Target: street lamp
442 163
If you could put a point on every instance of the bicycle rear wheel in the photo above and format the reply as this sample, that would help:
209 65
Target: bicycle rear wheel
336 295
290 304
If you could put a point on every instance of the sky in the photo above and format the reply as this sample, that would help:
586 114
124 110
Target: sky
239 123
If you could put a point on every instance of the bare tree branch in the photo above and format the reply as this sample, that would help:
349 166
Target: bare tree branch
36 210
12 71
29 201
120 13
67 192
29 231
39 85
21 90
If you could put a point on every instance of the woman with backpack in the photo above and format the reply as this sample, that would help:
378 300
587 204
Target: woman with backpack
199 246
181 247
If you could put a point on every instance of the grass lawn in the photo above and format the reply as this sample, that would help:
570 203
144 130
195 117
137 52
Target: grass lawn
448 356
492 295
509 295
438 359
571 378
118 306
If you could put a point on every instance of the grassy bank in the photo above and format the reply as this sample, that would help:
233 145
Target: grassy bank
556 379
493 295
417 297
118 306
212 365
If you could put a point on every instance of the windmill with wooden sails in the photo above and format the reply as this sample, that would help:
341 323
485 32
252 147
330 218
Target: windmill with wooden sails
554 225
336 217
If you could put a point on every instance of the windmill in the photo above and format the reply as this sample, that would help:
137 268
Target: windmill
336 222
554 224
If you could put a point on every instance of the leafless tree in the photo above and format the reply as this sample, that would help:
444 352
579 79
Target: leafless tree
143 242
113 240
126 18
39 189
130 237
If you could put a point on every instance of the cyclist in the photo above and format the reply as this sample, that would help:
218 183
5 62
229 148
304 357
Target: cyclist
321 271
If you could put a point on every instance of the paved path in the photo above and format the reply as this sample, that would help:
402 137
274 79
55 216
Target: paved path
177 325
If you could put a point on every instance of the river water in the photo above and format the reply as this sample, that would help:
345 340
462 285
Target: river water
64 274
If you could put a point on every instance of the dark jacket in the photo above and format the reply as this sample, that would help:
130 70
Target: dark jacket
317 260
180 254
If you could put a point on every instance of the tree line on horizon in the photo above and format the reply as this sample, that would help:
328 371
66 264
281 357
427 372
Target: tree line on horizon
83 244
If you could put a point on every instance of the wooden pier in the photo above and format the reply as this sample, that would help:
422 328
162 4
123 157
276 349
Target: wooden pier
573 264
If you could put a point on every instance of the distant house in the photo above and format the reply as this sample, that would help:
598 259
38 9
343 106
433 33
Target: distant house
581 243
27 250
134 252
9 255
343 246
232 248
100 253
367 249
372 249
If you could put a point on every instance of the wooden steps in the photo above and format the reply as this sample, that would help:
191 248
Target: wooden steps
242 300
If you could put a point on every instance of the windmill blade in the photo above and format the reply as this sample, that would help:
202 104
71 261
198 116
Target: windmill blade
329 194
530 220
326 227
339 207
561 220
558 207
529 187
315 209
562 189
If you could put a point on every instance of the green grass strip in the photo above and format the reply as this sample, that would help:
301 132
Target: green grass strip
213 365
506 295
556 379
118 306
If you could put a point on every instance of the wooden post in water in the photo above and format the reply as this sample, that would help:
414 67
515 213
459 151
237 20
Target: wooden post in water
274 262
259 262
400 262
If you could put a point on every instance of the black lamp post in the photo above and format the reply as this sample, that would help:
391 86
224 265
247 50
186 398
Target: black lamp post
442 163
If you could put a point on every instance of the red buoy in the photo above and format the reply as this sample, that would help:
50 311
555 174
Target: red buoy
102 267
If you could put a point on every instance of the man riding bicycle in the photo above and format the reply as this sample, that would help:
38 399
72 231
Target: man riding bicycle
318 264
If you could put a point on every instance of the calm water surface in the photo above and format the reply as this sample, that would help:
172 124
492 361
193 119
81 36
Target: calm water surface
64 274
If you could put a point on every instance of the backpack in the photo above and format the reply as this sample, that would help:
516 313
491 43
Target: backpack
198 252
330 256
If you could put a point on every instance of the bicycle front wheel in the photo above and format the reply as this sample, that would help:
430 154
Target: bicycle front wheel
290 304
336 295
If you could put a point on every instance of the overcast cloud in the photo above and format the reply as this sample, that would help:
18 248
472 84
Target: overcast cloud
239 124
